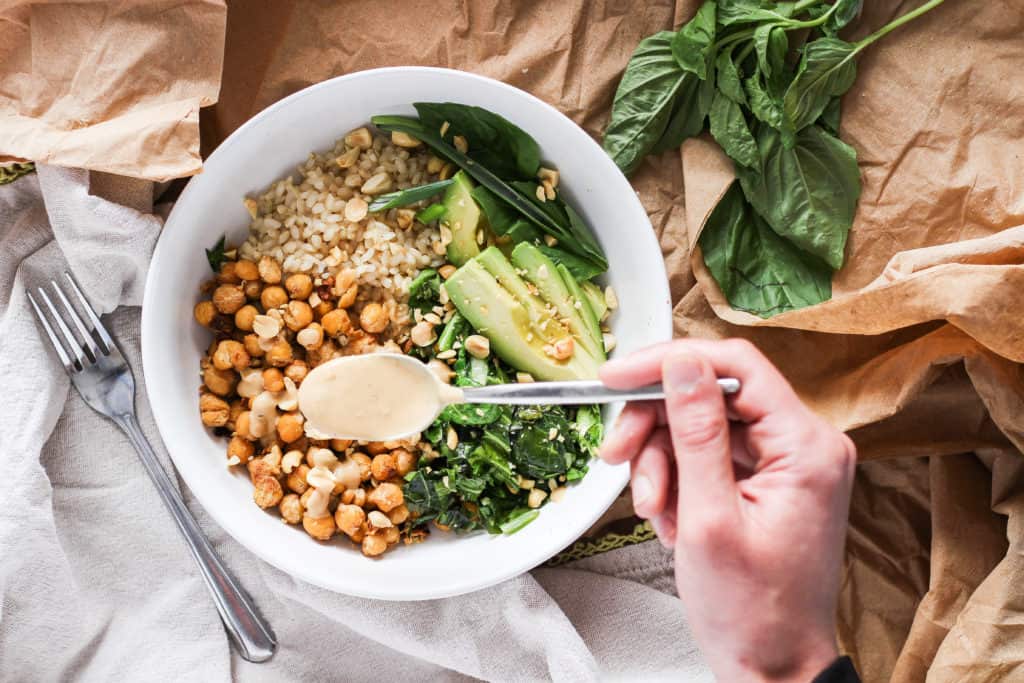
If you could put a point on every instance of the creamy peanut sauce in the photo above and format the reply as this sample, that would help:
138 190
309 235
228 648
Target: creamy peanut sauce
374 397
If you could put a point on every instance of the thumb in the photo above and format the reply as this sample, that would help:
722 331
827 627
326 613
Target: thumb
700 436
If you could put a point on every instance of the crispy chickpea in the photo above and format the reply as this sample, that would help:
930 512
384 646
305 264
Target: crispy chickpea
280 354
391 535
377 447
252 289
322 309
365 469
252 346
220 382
297 479
348 297
244 317
267 466
237 408
320 528
405 462
267 492
290 509
289 427
272 297
269 270
336 322
228 298
373 318
273 380
242 425
349 518
383 467
204 313
386 496
246 270
297 371
213 410
299 286
230 354
340 445
373 545
354 497
399 514
227 274
241 449
297 315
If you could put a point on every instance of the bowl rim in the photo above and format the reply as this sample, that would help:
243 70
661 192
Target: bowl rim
661 327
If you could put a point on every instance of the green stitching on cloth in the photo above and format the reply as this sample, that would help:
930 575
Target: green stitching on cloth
588 547
11 172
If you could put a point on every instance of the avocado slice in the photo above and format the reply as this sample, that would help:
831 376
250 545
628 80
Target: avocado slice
462 216
516 321
557 286
595 296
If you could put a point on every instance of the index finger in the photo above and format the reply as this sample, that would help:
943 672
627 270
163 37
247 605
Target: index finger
764 390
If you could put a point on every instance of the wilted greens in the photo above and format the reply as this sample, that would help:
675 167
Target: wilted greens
772 102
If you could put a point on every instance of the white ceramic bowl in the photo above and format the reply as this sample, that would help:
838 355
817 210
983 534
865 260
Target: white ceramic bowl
272 145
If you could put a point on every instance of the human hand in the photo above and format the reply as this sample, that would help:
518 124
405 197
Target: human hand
752 491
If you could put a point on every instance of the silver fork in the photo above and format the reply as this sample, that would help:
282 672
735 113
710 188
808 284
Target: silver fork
103 378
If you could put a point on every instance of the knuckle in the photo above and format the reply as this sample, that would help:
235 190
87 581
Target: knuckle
699 428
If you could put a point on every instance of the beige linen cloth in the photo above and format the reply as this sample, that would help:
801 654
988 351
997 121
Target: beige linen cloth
96 584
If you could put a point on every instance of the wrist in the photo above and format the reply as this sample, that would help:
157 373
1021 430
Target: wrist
802 667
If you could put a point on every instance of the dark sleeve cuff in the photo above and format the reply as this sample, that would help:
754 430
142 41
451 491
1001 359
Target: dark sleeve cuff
839 671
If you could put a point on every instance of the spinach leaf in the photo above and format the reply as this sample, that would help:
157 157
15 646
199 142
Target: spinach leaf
729 128
425 290
453 331
758 271
589 429
827 69
693 43
830 118
807 194
502 219
471 372
733 12
730 83
692 105
581 269
421 497
494 141
215 256
541 446
411 195
644 101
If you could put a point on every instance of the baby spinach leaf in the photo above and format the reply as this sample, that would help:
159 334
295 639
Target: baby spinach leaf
729 81
729 128
807 194
581 269
732 12
215 256
693 43
827 69
643 102
692 105
494 141
758 271
503 219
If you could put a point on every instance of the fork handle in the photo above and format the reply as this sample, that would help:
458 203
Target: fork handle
252 636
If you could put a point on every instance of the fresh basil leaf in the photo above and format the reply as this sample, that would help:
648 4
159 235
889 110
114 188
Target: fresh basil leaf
845 12
729 81
758 271
581 269
729 128
408 196
807 194
771 45
830 118
732 12
692 106
644 101
494 141
827 69
573 229
693 43
766 107
215 256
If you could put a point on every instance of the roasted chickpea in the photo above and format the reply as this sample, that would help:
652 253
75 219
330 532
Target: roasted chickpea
354 497
386 496
391 535
273 380
320 528
289 427
340 445
299 286
297 479
349 518
252 346
348 297
297 371
373 318
227 274
241 449
230 354
244 317
297 315
365 469
280 354
228 298
290 509
267 492
220 382
310 337
377 447
252 289
214 411
399 514
405 462
269 270
322 309
246 270
242 425
373 545
267 466
204 313
272 297
336 322
236 409
383 467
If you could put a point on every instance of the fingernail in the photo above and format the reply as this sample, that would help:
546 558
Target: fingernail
641 491
682 373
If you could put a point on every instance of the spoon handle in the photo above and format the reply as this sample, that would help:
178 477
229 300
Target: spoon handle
571 393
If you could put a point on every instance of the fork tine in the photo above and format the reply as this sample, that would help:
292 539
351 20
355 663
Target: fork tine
91 349
76 349
93 318
69 365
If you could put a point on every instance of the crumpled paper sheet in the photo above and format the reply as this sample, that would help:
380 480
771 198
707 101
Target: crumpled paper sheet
110 86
